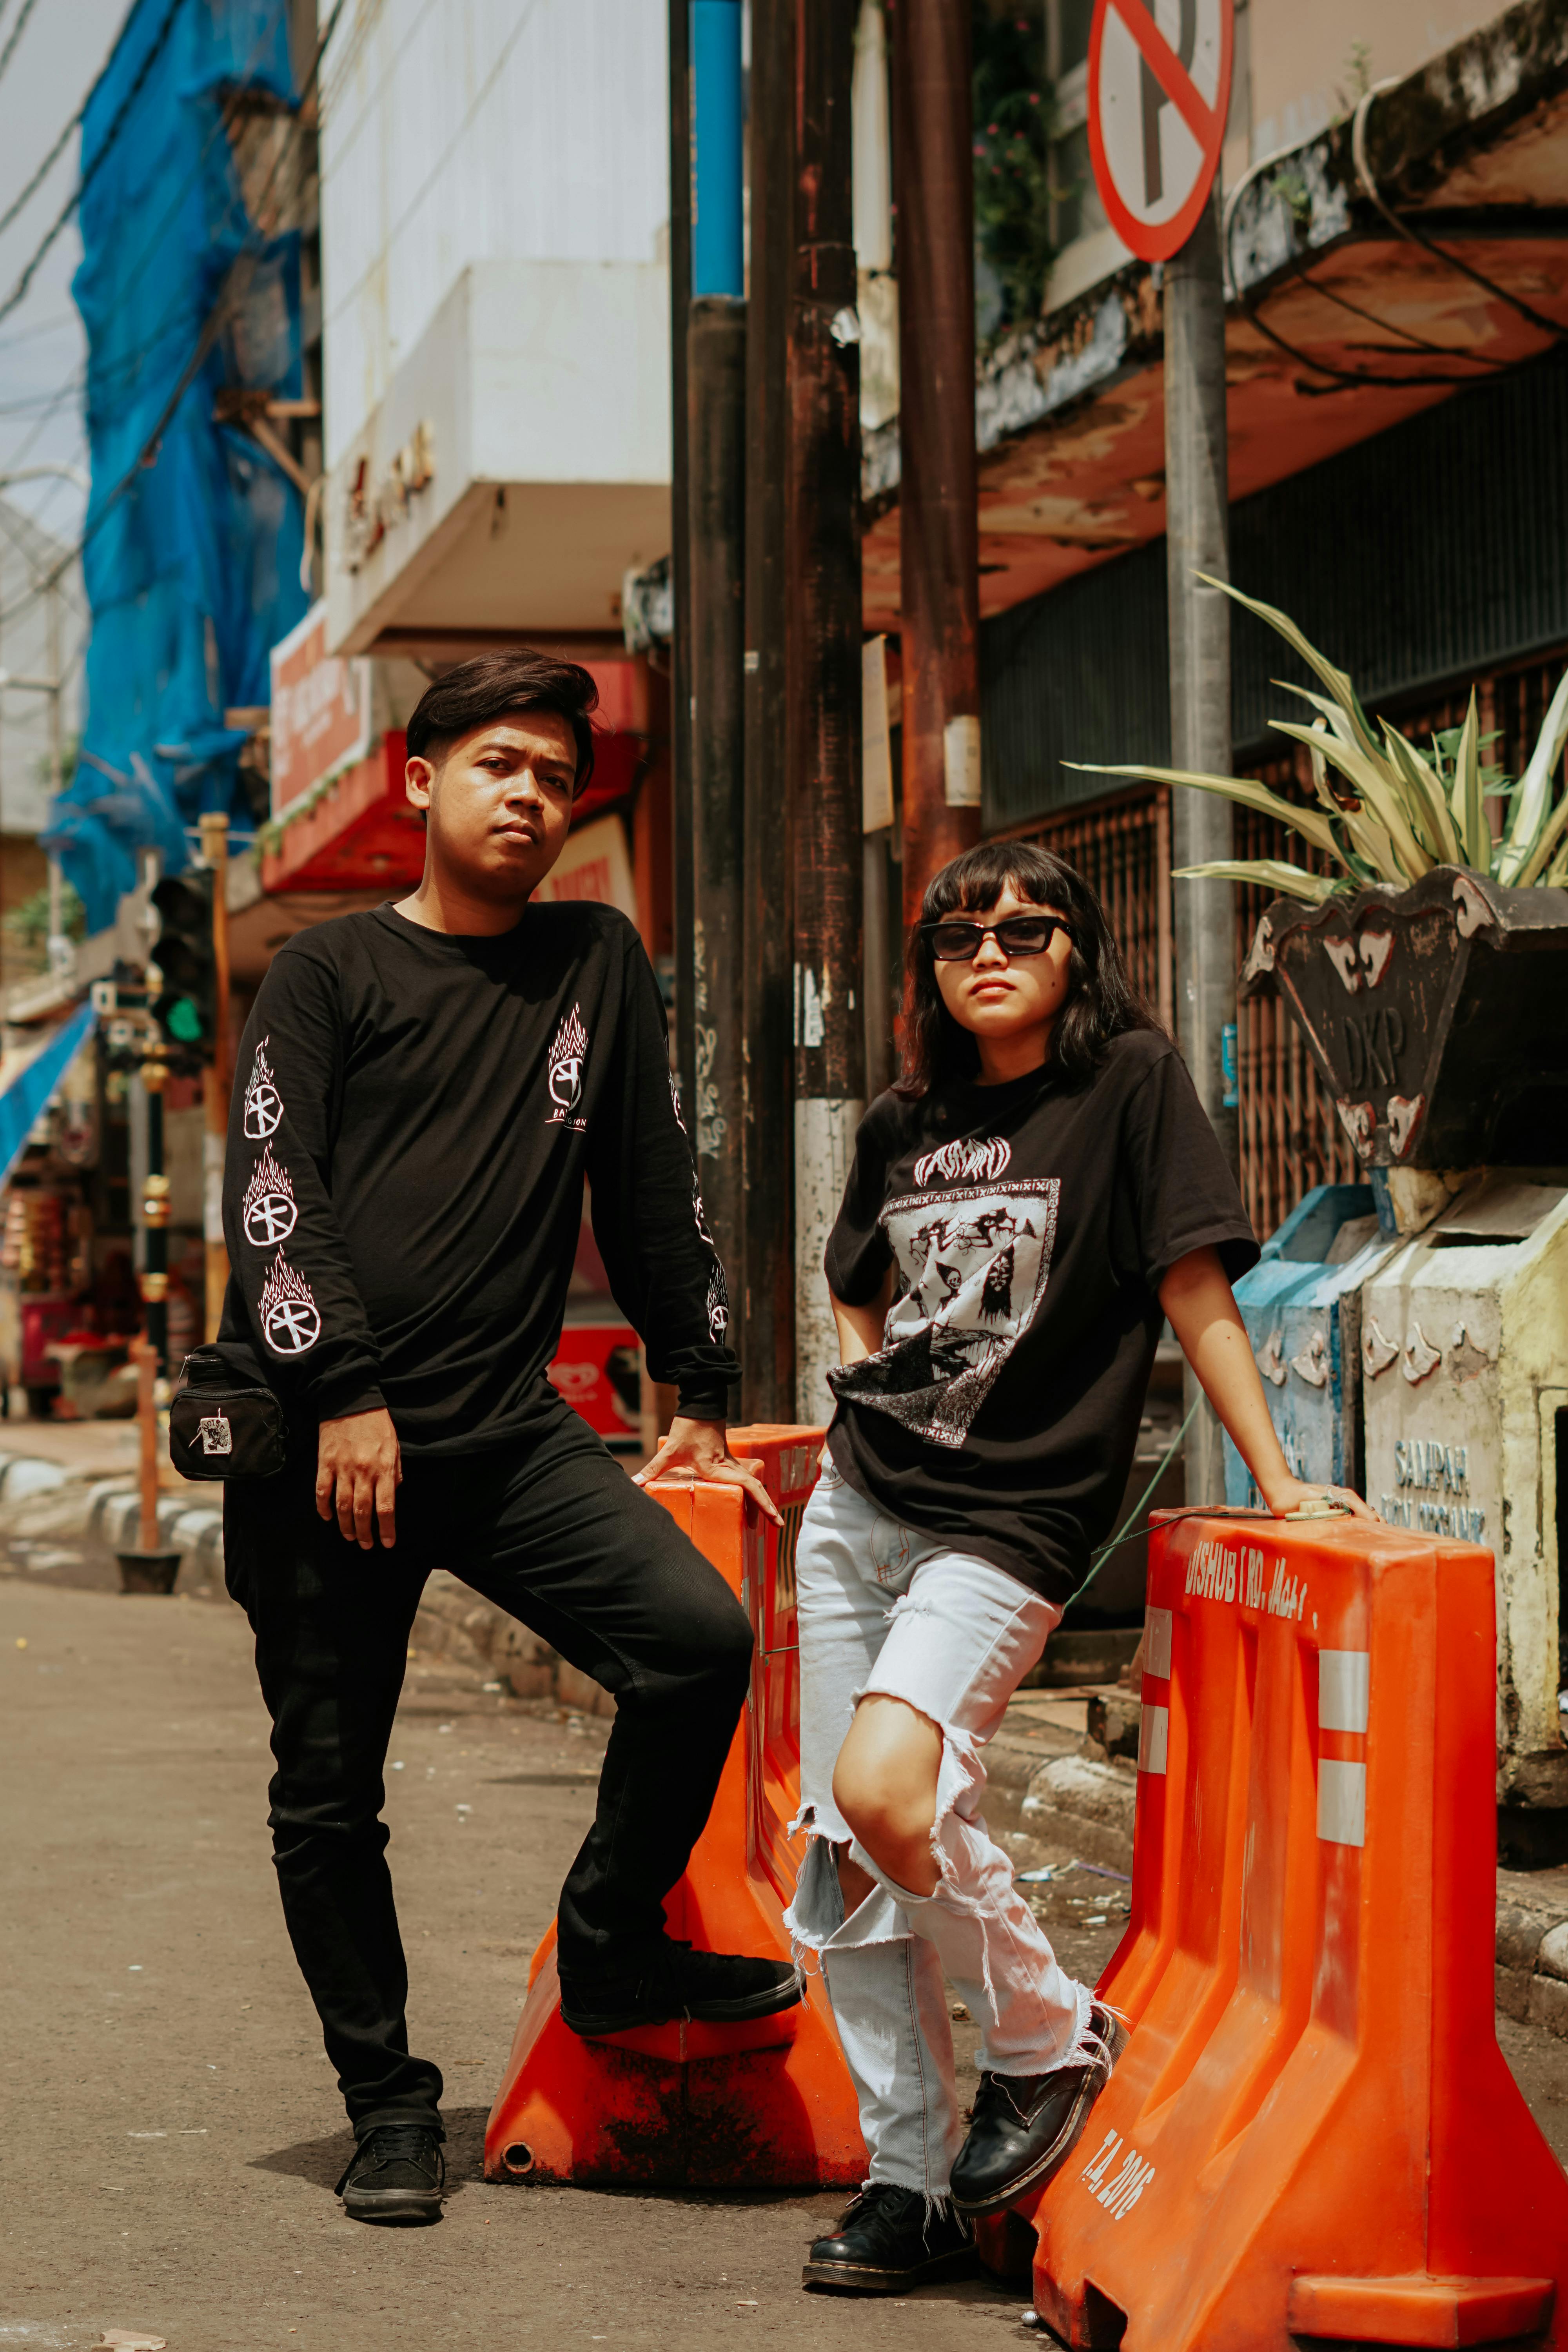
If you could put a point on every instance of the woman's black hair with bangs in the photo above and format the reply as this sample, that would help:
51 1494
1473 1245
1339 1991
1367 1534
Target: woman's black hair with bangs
1101 1001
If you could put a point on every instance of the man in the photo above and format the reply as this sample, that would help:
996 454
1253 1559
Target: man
422 1090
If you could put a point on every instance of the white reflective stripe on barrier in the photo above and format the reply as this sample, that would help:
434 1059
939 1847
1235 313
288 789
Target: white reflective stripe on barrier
1341 1802
1344 1690
1157 1644
1153 1736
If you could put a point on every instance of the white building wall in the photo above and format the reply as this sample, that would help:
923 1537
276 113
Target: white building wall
457 131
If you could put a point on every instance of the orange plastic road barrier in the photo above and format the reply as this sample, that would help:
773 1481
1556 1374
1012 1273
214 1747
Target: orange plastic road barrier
1311 2132
764 2105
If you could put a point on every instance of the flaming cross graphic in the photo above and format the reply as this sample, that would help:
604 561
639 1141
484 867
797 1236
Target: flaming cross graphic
717 1304
269 1209
289 1316
568 1050
263 1103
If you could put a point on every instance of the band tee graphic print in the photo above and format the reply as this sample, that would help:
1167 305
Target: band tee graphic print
972 1261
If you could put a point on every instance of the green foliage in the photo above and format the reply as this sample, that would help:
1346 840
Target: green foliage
1012 154
29 921
1389 812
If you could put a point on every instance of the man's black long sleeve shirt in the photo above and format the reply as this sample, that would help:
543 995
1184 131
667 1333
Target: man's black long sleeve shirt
414 1118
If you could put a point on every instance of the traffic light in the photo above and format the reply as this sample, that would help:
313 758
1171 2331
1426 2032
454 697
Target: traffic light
186 1005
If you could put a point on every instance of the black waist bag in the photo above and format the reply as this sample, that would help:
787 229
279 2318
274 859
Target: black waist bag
225 1421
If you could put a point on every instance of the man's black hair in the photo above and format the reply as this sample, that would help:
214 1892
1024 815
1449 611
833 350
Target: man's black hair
476 692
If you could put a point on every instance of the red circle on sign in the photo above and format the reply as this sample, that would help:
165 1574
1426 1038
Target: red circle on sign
1157 240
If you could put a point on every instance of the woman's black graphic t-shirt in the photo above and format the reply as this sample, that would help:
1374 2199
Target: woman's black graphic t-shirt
1031 1225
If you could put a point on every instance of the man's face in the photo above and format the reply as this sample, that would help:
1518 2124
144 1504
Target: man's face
499 803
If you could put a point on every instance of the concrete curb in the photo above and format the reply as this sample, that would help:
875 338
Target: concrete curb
110 1511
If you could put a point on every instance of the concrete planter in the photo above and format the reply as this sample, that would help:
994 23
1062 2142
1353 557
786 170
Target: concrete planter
1435 1014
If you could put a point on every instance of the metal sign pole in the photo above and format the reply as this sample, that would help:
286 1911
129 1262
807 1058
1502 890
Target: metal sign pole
1198 541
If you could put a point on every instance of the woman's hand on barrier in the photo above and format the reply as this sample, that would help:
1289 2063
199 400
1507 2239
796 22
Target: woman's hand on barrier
699 1449
359 1468
1289 1494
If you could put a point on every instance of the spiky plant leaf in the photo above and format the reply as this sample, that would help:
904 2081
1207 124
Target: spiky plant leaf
1244 789
1382 795
1542 853
1533 796
1464 797
1425 795
1276 874
1336 680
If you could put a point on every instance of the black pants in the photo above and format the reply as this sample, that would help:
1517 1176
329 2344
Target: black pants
556 1534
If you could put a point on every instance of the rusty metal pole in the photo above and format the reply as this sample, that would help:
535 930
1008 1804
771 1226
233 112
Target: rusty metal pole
767 1320
682 874
716 519
823 670
215 1075
938 538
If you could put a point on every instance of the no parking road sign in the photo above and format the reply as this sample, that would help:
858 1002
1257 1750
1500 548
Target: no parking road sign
1159 85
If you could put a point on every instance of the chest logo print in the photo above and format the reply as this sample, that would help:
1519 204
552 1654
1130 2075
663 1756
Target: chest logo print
289 1316
263 1103
269 1210
968 1161
568 1052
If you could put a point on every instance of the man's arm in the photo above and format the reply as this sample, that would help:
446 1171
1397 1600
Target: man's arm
653 1235
1205 1319
291 1264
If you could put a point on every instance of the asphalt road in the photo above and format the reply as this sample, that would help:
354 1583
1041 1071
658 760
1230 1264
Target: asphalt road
173 2132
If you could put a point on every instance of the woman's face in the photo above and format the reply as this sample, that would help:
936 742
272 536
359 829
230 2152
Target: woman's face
1000 996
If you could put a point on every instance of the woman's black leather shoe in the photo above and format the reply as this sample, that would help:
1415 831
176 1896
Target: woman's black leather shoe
1024 2126
397 2175
887 2243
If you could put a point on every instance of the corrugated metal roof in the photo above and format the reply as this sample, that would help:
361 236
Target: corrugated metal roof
1433 551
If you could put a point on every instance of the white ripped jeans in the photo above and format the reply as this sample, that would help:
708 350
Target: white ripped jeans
885 1609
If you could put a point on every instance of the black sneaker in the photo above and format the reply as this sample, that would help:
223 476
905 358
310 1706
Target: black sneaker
398 2174
1024 2126
718 1988
886 2242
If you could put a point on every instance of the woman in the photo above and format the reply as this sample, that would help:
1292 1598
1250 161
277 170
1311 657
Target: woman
1040 1191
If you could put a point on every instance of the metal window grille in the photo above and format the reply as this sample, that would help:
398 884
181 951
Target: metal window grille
1123 849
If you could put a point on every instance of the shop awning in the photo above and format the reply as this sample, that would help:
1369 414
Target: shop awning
27 1086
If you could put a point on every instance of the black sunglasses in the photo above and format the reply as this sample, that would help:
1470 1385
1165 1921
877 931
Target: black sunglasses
954 941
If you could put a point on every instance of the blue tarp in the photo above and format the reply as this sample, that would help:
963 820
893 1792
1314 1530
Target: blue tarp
193 571
28 1093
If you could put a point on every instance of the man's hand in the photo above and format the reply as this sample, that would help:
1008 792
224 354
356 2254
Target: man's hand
359 1468
698 1449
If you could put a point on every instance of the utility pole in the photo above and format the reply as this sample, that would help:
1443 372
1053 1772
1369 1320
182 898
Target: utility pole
215 1075
767 1319
933 164
59 948
716 510
1198 540
823 742
682 870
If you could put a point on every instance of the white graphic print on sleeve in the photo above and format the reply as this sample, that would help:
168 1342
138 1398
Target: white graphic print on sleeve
974 1264
263 1103
290 1318
717 1304
269 1210
568 1052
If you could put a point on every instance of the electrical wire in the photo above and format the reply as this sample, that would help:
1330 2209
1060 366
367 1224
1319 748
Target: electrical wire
445 157
1302 273
17 29
18 291
211 329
